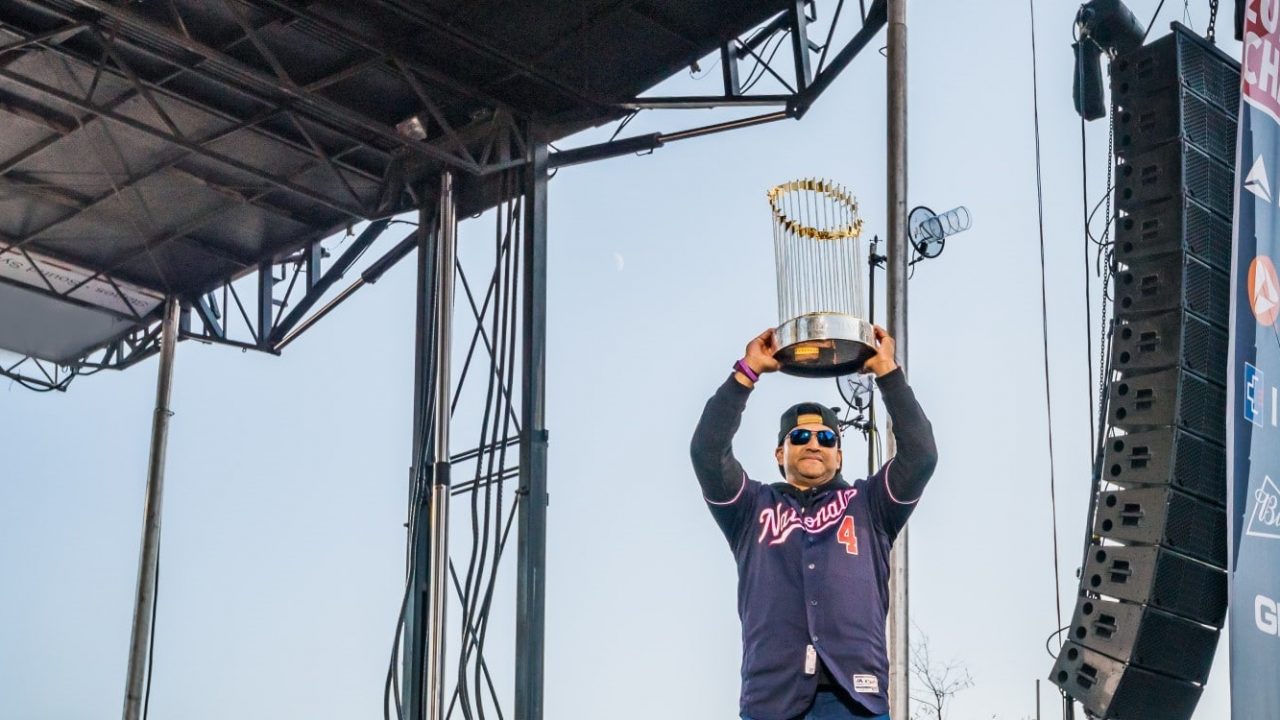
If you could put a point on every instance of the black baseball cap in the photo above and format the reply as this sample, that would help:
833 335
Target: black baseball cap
804 414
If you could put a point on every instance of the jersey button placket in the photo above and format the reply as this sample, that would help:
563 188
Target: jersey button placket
811 581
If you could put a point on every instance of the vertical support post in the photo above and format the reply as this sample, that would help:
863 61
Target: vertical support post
800 43
314 254
419 560
266 304
149 559
729 69
532 537
898 252
437 591
873 462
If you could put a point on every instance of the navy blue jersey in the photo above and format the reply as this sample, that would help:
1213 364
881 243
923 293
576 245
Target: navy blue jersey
813 565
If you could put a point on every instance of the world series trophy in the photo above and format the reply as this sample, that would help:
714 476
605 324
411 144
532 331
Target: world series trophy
822 331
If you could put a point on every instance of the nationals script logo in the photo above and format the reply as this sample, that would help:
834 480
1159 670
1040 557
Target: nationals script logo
777 523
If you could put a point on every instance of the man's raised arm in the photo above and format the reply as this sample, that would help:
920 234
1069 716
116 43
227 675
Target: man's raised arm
916 455
718 471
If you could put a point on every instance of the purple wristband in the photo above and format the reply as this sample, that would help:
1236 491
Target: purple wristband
742 367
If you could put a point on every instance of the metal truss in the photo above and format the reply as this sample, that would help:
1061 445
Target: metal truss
485 143
267 309
807 81
292 112
264 310
45 376
798 77
499 316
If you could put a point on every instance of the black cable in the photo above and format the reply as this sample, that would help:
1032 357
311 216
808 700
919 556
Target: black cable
623 124
480 535
752 72
714 64
1100 241
1044 316
466 596
1154 15
392 690
510 322
477 590
762 65
1047 647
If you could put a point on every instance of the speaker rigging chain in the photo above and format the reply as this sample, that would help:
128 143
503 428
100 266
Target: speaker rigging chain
1102 267
1088 290
1210 34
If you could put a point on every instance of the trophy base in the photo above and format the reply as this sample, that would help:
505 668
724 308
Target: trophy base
823 345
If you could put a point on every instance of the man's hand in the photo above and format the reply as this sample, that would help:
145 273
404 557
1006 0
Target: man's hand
760 352
883 362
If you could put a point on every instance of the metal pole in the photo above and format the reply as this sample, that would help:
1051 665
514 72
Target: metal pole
532 539
1037 698
419 560
149 560
439 509
899 624
871 406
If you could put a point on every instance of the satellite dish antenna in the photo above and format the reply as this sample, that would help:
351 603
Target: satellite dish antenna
929 231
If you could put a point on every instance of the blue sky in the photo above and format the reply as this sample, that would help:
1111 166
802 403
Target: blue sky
283 546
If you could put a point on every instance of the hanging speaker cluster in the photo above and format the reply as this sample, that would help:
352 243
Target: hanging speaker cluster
1153 587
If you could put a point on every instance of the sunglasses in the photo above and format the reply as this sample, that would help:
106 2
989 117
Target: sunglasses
826 438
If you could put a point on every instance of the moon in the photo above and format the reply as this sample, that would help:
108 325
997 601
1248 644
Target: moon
617 257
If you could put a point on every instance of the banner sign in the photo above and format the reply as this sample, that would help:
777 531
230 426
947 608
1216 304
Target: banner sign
60 278
1253 434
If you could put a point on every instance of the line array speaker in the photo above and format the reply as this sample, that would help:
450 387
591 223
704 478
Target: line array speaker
1176 281
1169 339
1157 576
1178 224
1167 457
1167 170
1153 589
1180 115
1165 517
1169 397
1111 689
1145 636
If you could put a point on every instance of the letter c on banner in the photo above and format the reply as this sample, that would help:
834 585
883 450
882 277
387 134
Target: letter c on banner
1251 42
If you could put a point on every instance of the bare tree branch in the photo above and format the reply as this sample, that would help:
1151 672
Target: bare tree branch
934 683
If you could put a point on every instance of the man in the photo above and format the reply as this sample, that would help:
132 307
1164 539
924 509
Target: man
813 551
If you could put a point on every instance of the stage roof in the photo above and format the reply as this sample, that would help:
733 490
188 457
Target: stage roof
172 145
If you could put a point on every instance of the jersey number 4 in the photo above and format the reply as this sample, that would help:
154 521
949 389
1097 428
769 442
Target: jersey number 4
847 537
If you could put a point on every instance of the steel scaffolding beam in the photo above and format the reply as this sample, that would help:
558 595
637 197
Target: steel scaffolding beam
532 534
